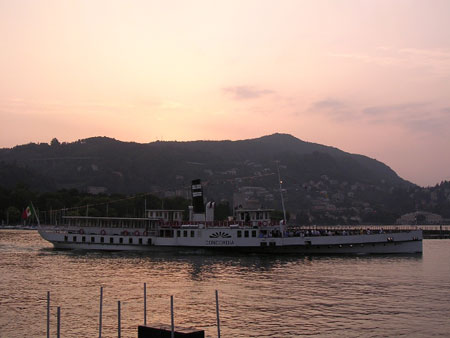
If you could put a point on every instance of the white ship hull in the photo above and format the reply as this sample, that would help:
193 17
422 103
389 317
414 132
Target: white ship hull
228 239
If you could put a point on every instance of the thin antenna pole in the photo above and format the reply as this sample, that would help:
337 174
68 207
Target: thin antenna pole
35 213
101 313
281 192
48 314
217 314
145 304
172 333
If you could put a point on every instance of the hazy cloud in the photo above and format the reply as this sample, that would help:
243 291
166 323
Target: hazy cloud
436 61
337 110
246 92
395 109
418 117
328 104
427 124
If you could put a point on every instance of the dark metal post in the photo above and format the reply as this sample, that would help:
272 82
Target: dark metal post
58 327
145 304
118 326
48 314
217 314
101 313
172 333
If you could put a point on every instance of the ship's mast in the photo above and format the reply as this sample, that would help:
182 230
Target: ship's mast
281 192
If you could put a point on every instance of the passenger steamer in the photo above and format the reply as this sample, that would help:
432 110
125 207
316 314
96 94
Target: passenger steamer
250 230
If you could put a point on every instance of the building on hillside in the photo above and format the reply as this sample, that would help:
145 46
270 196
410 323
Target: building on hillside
420 217
96 190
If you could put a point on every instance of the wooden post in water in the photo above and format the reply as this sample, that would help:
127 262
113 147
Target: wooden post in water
58 325
101 313
172 332
145 304
118 317
48 314
217 314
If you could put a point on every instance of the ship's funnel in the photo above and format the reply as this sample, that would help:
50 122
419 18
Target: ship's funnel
209 217
197 197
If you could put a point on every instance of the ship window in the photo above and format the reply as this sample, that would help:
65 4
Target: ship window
239 233
102 239
272 243
178 233
83 239
254 233
140 240
121 240
185 233
246 233
149 241
263 244
74 239
111 240
130 240
65 239
192 233
92 239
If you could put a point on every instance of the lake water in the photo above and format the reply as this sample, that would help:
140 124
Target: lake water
260 296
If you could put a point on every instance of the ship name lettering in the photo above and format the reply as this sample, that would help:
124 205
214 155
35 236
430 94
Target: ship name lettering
219 242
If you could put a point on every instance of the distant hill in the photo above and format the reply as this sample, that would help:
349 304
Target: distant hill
132 167
317 178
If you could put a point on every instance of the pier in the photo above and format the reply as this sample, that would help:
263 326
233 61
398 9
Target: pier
156 330
165 331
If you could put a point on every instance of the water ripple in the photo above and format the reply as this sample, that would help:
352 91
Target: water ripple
260 296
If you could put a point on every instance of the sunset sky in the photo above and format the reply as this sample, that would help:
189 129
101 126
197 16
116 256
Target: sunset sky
368 77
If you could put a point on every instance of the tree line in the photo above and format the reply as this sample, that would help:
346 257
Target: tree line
49 205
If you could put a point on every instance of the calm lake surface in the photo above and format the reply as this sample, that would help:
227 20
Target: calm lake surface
260 296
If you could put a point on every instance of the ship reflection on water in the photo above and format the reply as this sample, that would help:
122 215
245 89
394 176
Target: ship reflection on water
201 265
260 295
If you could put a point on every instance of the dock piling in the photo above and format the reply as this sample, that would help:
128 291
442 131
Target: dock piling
48 314
217 314
101 313
58 321
145 304
172 332
118 317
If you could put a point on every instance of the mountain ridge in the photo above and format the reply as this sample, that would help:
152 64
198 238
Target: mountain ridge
265 149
